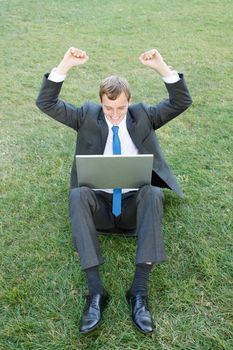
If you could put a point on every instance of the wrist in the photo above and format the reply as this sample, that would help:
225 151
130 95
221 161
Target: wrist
165 71
62 68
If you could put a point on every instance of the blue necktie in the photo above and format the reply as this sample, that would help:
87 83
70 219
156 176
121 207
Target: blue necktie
116 149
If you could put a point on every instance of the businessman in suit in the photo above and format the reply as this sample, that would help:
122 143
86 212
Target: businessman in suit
115 126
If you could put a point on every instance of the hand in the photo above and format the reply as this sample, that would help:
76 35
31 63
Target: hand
154 60
73 57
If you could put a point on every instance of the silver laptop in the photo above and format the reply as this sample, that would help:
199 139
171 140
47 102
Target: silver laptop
114 171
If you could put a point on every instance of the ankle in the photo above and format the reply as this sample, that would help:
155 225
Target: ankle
95 284
140 281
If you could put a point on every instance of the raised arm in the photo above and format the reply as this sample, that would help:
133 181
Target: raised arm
48 98
179 98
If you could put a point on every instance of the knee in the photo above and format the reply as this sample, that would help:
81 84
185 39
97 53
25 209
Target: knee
79 193
157 192
151 193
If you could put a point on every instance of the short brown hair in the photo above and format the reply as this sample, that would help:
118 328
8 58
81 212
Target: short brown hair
113 86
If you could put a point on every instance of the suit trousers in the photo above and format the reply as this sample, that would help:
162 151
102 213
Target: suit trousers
142 211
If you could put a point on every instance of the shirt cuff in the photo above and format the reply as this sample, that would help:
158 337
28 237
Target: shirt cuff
56 77
171 79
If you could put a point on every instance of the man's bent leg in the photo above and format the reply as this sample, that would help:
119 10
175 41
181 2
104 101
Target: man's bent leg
150 249
83 205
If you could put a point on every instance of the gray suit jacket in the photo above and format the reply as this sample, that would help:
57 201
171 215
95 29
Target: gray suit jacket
142 121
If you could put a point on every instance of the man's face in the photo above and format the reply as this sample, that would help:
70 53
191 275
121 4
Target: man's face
115 110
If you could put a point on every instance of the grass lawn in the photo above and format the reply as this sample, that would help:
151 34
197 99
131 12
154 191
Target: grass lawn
41 284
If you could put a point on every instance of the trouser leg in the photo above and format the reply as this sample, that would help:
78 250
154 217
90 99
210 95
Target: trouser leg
83 205
150 246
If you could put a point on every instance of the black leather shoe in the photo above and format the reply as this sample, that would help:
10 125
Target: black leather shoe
141 315
93 310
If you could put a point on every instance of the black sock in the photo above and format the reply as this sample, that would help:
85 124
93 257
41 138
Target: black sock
140 281
95 284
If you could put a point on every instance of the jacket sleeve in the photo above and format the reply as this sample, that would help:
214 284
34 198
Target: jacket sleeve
178 101
48 102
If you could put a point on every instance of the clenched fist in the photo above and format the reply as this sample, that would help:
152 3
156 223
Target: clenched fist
73 57
154 60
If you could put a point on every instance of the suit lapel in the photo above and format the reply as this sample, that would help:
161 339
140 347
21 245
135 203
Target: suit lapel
103 129
134 132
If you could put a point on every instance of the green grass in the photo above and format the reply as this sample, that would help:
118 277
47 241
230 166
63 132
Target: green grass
41 284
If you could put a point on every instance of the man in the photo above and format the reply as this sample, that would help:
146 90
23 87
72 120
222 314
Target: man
116 126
